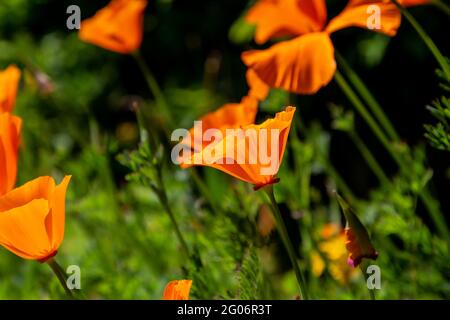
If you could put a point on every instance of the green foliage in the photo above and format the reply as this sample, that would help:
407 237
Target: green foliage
79 121
439 134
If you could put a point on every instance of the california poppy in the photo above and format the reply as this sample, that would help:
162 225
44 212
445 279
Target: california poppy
306 63
9 82
32 218
357 240
178 290
117 27
252 154
230 115
10 127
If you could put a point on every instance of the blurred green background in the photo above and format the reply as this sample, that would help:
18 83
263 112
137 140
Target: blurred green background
80 119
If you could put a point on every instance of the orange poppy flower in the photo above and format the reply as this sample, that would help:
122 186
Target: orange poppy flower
230 115
9 82
252 154
117 27
9 146
178 290
306 63
32 218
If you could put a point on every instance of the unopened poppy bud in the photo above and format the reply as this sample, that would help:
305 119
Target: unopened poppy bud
357 241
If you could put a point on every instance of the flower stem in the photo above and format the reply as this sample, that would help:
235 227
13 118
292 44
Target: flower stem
370 158
203 188
366 277
162 195
368 98
153 86
61 275
286 241
334 174
356 102
426 39
430 205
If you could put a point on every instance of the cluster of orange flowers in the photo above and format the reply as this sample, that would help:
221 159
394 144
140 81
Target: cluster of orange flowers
32 216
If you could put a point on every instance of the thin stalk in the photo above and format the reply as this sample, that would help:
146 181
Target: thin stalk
162 195
203 188
359 106
153 86
370 158
340 182
442 6
366 277
368 98
426 39
61 275
432 208
286 241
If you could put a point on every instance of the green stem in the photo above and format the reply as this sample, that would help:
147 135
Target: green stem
366 277
286 241
426 198
162 194
340 182
153 86
203 188
356 102
368 98
370 158
442 6
61 275
426 39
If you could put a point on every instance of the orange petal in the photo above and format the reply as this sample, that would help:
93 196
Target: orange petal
10 127
177 290
9 82
249 155
278 18
32 218
358 13
230 115
58 212
117 27
40 188
258 89
22 230
302 65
